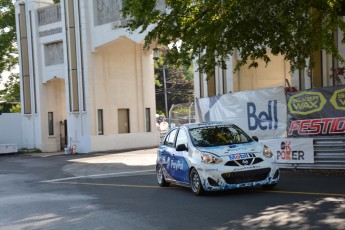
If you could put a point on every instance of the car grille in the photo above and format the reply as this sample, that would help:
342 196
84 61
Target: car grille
246 176
244 162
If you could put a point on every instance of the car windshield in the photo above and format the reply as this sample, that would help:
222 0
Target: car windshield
218 135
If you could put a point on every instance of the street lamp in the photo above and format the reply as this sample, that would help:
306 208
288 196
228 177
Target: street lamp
156 55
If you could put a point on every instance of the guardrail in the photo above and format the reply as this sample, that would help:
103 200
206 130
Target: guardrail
329 153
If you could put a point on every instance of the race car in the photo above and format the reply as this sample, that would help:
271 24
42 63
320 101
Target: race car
214 156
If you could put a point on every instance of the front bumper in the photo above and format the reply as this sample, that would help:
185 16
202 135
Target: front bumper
223 177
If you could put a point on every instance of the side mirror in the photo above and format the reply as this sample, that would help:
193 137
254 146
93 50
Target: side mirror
255 138
181 147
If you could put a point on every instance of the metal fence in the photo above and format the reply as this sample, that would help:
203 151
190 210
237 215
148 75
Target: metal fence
329 153
183 113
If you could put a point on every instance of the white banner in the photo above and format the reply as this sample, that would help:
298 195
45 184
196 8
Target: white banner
260 113
292 150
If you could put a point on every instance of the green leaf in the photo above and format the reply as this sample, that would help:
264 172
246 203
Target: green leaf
212 30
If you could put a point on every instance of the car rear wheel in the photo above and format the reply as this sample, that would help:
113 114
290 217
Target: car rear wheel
195 182
160 177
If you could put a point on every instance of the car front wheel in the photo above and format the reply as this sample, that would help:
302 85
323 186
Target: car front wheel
160 177
195 182
269 186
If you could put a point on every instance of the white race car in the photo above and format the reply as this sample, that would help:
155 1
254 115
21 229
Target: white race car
214 156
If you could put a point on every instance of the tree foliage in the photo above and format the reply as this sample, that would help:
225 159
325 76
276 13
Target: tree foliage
11 91
213 30
10 95
8 46
179 86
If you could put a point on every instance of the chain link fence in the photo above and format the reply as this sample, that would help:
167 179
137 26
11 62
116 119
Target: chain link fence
182 114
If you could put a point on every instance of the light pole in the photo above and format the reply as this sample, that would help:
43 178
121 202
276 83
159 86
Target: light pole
156 55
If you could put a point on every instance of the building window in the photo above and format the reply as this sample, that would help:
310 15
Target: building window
50 123
148 119
201 84
100 122
123 120
225 90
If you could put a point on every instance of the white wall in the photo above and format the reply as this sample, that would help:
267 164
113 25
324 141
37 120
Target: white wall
124 141
11 129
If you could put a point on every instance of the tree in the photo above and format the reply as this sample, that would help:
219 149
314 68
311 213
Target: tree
10 95
179 86
213 30
11 91
8 46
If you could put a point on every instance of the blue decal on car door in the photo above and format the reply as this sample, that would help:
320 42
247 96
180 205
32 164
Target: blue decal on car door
179 167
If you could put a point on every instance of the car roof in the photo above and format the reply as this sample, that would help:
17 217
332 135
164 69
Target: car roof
206 124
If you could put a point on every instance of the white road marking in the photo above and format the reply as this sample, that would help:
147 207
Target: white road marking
97 175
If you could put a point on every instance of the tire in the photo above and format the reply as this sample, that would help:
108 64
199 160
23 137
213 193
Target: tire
269 186
195 182
160 177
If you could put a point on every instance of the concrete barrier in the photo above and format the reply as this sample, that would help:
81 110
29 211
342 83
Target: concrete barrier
8 148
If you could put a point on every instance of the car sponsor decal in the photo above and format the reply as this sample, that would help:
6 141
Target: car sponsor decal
211 170
241 147
246 168
237 149
241 156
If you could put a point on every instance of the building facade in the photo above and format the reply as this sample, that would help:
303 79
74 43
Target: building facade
276 73
86 81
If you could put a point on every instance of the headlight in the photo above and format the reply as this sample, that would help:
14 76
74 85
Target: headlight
209 158
267 152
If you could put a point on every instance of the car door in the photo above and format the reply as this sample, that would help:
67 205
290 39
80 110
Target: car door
179 166
166 152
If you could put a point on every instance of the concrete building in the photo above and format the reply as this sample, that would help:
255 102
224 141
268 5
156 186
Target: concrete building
85 80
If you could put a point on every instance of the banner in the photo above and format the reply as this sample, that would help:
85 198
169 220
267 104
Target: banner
260 113
291 150
319 111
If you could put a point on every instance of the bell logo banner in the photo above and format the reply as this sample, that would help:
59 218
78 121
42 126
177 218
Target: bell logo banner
260 112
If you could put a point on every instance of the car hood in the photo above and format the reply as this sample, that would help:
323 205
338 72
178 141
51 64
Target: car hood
226 150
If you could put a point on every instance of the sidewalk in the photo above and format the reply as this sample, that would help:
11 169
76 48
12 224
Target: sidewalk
130 154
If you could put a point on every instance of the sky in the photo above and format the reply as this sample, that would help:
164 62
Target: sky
4 79
5 75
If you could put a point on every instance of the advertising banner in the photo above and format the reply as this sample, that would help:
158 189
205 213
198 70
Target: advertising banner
292 150
319 111
259 112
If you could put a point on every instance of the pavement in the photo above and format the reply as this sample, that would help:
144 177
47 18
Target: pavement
148 151
103 162
138 159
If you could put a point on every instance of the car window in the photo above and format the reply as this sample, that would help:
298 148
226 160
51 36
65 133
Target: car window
181 138
218 135
169 140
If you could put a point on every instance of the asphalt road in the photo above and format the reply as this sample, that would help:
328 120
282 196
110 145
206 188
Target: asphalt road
119 191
